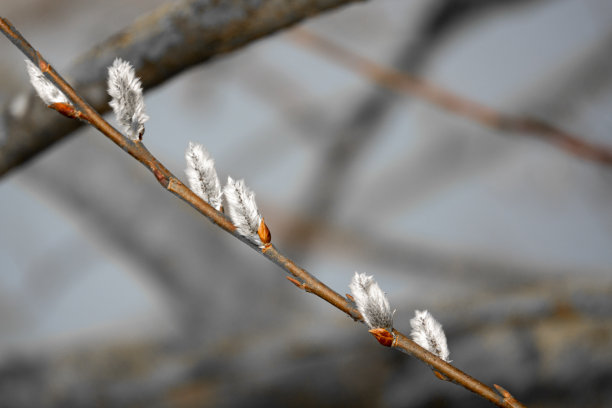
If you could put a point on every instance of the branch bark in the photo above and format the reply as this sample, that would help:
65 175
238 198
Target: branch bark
160 45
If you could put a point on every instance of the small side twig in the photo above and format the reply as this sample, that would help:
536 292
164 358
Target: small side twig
302 278
436 95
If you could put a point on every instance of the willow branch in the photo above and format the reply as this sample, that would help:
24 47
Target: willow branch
408 84
299 276
160 45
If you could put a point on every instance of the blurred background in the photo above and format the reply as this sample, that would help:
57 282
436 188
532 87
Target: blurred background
115 293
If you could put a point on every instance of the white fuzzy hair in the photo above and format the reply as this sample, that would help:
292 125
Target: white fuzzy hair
428 333
127 101
371 302
242 210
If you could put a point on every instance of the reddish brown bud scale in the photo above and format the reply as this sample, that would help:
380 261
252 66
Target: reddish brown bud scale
383 336
264 232
440 375
508 398
159 176
295 282
66 110
42 64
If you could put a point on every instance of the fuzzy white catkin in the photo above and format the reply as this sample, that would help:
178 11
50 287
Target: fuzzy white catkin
371 302
127 101
428 333
47 91
202 175
242 210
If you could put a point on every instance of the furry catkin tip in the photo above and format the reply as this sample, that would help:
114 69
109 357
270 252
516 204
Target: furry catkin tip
202 176
371 302
127 101
428 333
242 210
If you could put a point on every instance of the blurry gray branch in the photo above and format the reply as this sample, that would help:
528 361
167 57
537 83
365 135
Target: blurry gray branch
78 108
418 257
406 83
437 21
160 45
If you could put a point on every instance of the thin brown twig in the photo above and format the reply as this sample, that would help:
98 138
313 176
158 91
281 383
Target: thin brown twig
408 84
302 278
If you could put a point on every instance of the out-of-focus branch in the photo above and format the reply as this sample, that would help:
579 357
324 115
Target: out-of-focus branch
418 257
405 83
300 277
160 45
434 21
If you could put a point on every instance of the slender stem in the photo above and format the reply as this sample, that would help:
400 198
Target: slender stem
309 283
408 84
449 371
303 278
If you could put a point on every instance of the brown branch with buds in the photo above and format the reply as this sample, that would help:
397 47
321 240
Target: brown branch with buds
78 108
405 83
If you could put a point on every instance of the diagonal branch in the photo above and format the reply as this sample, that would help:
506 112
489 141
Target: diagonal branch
302 278
160 45
405 83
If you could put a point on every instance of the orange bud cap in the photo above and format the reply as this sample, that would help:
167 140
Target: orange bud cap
264 232
383 336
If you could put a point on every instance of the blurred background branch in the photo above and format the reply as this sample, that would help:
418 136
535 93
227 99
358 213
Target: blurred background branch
160 45
402 82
